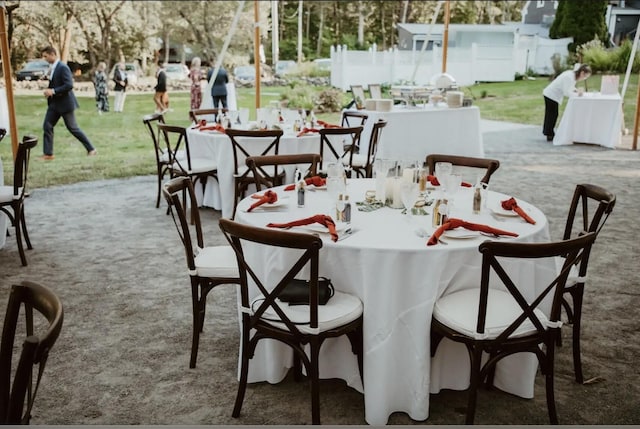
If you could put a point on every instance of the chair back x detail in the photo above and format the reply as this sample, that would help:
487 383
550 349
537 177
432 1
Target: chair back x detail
339 144
209 115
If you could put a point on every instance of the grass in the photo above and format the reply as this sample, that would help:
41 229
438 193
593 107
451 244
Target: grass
125 149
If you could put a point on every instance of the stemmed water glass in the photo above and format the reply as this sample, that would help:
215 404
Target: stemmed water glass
409 193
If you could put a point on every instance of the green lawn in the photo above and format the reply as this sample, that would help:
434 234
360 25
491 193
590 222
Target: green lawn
125 149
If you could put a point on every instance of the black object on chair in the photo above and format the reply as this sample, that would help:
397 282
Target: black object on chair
162 158
208 266
490 165
14 395
599 202
507 322
12 196
266 317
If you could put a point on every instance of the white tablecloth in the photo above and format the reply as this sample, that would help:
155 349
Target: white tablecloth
217 147
398 278
413 133
592 118
3 217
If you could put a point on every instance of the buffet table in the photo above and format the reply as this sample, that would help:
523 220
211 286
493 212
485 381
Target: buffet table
398 278
217 147
412 133
591 118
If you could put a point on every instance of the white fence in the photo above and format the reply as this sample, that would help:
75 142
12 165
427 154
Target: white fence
479 63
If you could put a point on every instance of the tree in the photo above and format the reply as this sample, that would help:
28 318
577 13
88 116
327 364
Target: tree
582 20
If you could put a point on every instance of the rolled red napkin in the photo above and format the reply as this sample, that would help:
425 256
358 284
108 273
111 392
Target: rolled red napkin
268 197
319 218
315 181
212 127
454 223
324 124
306 130
434 181
512 204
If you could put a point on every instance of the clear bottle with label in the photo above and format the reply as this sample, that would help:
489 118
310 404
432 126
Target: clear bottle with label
436 214
477 198
300 185
339 207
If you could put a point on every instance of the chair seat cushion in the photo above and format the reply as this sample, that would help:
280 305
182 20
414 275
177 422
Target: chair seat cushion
217 261
198 165
459 311
6 194
340 310
356 161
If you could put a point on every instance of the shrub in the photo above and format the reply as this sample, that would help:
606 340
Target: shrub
595 54
329 100
300 96
620 58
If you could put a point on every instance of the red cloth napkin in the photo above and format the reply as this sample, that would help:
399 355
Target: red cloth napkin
306 130
454 223
324 124
315 181
434 181
320 218
512 204
268 197
212 127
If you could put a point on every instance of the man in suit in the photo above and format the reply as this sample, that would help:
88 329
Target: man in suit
61 102
219 87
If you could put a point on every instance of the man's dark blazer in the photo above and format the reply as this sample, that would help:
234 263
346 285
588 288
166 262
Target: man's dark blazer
64 100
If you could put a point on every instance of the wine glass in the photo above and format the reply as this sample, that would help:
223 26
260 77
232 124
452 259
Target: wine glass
409 193
443 169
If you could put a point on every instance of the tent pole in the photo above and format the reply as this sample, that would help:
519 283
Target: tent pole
256 50
6 70
634 145
445 36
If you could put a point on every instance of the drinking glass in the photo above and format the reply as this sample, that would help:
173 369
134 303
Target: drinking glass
409 193
454 181
443 169
243 116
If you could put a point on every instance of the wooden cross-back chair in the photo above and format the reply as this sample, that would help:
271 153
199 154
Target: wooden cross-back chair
489 165
266 317
339 144
307 162
247 143
590 208
162 158
498 320
12 196
34 301
208 266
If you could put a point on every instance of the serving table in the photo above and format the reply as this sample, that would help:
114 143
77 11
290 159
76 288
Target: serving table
413 132
591 118
217 146
398 278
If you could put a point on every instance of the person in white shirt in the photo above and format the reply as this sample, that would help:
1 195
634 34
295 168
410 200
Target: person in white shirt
563 85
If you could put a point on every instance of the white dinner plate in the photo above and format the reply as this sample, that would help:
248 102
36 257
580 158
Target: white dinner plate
499 211
316 227
460 233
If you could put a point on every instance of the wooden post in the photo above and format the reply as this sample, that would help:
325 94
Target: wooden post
445 36
634 145
6 70
256 50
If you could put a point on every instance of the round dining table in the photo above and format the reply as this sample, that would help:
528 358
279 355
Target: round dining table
382 257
